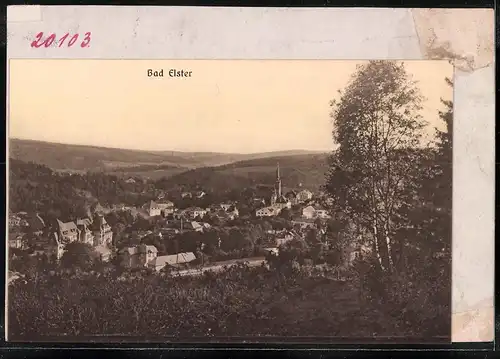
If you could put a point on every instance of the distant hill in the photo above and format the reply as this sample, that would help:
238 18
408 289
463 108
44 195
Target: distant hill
153 164
304 170
77 157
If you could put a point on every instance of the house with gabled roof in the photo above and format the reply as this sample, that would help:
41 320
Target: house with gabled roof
193 226
267 211
315 211
137 256
173 260
152 209
66 232
166 207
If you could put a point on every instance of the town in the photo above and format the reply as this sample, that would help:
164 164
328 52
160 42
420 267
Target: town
350 240
178 240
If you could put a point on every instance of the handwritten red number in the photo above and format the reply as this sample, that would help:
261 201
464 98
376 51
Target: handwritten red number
73 40
62 39
50 40
37 43
86 40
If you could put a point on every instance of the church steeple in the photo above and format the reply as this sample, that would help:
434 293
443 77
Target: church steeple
278 181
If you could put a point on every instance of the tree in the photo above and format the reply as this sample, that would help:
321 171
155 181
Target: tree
286 214
378 126
79 255
435 189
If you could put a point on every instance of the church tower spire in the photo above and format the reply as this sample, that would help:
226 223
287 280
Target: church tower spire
278 181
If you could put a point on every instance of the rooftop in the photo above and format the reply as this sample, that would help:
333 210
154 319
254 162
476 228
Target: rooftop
173 259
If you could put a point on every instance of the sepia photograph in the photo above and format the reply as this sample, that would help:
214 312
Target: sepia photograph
229 201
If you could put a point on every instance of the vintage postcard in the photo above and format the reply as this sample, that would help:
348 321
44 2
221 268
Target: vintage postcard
230 200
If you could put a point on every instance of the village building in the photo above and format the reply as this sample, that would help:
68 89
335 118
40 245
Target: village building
194 212
226 206
193 226
206 225
186 195
277 199
224 211
304 223
275 231
147 253
272 250
14 220
18 220
16 240
104 252
270 211
103 235
166 207
200 194
137 256
130 180
66 232
322 212
86 234
232 211
55 249
304 196
311 212
147 256
291 196
172 260
152 209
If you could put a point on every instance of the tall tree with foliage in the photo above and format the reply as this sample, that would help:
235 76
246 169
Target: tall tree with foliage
79 255
378 127
436 188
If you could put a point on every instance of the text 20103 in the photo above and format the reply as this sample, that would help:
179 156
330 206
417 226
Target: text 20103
48 41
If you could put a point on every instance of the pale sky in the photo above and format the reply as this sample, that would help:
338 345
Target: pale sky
238 106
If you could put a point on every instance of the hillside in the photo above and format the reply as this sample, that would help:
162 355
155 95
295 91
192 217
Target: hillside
306 170
152 164
77 157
